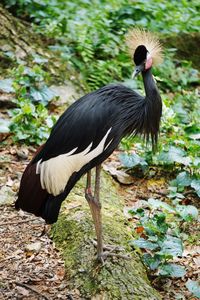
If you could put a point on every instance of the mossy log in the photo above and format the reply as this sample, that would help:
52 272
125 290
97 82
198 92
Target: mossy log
73 234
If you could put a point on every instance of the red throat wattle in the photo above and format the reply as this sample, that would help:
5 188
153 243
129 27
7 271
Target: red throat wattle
148 63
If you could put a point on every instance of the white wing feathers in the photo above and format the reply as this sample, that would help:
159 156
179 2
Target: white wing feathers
55 172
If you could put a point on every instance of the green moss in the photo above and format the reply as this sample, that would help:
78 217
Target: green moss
73 234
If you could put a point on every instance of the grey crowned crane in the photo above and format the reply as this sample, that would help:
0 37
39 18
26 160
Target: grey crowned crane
87 133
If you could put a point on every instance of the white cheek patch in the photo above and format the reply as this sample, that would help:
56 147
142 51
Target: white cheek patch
55 172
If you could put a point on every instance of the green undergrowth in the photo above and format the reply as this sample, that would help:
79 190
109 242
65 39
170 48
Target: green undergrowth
160 232
30 121
90 34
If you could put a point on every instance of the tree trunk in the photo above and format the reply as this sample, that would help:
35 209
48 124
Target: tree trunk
73 235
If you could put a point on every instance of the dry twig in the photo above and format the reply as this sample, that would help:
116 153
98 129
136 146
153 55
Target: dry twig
19 222
31 289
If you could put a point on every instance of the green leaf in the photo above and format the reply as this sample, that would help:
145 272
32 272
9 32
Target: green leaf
187 212
172 270
195 136
183 179
171 246
6 85
132 160
159 204
43 95
28 108
174 154
151 261
193 287
39 59
137 211
142 243
4 126
195 184
50 122
196 161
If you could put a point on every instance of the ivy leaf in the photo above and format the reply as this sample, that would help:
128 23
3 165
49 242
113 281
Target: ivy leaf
171 246
6 85
195 184
193 287
196 161
187 212
172 270
39 59
183 179
28 108
195 136
174 154
43 95
142 243
151 261
159 204
132 160
4 126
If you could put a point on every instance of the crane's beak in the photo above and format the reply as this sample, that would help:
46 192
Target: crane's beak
137 70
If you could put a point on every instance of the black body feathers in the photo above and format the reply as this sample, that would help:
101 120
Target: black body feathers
113 107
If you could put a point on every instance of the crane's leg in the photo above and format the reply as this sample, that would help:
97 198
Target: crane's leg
95 207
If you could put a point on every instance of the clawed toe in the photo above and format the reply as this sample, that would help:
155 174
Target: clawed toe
110 247
110 251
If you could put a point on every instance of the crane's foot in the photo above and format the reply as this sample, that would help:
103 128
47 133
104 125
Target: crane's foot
110 251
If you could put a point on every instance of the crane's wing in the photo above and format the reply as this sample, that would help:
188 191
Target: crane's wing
82 133
84 136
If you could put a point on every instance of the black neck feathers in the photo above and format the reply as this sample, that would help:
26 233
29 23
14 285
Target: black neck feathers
153 109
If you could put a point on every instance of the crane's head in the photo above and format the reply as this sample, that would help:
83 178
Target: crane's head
145 49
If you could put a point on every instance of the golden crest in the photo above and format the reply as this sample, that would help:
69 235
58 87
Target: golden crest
137 37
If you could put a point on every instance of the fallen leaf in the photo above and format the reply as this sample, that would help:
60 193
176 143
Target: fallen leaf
191 250
120 175
197 261
139 229
22 291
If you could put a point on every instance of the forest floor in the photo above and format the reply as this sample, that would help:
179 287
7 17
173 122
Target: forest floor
30 265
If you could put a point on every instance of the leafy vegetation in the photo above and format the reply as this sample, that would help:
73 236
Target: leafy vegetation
90 34
160 234
31 121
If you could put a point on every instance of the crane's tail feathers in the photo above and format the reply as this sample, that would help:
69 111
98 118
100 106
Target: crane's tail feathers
137 37
31 196
33 199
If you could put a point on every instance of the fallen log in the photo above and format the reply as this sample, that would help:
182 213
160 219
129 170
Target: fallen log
73 234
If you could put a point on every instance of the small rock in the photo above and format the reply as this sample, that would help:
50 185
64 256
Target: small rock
7 196
33 247
22 153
